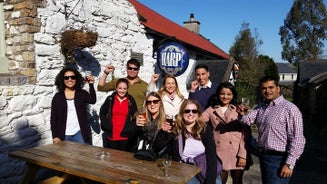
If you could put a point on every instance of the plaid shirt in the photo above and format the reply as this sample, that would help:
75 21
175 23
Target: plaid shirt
280 127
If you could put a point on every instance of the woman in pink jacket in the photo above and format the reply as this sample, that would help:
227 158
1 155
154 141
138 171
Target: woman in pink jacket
228 132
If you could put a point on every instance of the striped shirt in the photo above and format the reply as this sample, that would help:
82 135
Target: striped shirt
280 127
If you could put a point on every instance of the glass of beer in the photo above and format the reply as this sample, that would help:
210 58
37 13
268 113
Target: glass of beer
143 112
170 119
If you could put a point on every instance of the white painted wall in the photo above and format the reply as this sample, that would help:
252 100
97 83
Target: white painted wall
25 110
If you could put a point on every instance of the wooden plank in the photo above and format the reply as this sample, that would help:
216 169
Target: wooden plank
132 169
78 159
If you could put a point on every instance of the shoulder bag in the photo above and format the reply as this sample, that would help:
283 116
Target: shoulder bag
145 151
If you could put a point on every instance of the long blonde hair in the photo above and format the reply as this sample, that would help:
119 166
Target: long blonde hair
180 125
162 115
162 90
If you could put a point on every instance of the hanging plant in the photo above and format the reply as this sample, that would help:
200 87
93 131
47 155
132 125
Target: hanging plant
73 39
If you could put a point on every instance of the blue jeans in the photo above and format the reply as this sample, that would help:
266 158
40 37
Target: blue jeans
75 138
271 166
194 180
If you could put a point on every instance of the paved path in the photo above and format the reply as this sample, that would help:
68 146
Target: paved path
311 168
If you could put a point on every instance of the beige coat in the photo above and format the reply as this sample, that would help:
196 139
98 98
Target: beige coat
229 139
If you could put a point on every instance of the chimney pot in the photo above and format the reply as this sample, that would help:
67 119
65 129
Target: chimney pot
192 17
192 25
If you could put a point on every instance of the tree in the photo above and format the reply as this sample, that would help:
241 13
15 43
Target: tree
245 47
304 31
245 51
270 67
252 65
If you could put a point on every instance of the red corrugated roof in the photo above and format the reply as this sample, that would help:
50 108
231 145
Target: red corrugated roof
158 23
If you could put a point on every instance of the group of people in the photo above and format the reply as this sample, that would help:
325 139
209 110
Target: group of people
210 121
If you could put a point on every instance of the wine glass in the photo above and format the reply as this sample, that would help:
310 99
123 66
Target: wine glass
87 74
166 163
246 104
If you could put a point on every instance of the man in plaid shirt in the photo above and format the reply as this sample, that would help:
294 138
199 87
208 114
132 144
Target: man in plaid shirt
280 127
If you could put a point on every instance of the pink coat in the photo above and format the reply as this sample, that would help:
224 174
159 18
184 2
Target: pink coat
229 139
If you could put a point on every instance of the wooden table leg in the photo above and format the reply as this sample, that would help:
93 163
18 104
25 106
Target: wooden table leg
30 173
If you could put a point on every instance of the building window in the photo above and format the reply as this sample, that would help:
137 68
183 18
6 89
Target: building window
138 56
283 77
3 59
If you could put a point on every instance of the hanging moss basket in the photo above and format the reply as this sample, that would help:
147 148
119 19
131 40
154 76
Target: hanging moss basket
76 39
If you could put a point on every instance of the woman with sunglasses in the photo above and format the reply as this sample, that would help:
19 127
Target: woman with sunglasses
69 107
169 92
229 133
196 137
155 121
116 115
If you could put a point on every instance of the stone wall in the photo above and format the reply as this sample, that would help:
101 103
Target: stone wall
33 32
21 24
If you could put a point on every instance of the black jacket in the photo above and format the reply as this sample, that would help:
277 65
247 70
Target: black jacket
129 129
207 139
59 112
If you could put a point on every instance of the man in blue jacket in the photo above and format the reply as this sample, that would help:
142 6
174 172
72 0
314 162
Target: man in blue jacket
202 89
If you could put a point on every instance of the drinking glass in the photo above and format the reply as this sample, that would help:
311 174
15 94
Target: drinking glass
87 73
170 119
246 104
143 112
166 163
102 155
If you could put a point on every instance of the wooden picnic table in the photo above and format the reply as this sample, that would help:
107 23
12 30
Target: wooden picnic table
79 160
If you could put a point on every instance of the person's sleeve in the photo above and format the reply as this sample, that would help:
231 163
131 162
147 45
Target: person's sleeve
211 156
91 97
53 118
151 87
249 119
192 95
205 116
295 135
103 115
132 119
241 150
109 86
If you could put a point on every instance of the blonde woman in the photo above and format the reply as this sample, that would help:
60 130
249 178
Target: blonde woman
197 138
155 119
169 92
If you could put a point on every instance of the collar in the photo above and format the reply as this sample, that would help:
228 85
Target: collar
120 100
209 84
275 101
137 81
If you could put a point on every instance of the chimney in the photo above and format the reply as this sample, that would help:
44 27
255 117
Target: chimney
192 25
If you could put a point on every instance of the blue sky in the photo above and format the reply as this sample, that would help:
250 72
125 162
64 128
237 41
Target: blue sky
220 20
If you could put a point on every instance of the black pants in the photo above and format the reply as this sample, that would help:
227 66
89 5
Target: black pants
236 175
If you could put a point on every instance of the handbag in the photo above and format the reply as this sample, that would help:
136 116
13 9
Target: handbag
145 151
200 160
148 155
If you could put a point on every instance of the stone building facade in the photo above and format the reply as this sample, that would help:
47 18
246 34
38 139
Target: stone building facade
32 46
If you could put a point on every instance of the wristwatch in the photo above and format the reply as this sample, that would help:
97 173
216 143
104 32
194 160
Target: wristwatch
290 166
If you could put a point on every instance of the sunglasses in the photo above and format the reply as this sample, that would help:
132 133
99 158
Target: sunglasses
194 111
133 69
149 102
73 77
